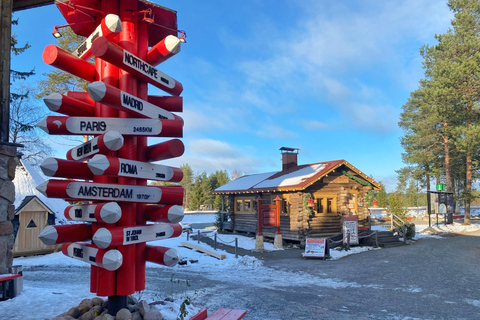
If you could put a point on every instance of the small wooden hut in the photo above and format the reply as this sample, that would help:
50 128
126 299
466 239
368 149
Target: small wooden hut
314 196
31 217
33 212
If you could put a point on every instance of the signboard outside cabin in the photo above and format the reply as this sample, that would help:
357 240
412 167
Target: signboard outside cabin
350 226
269 213
316 248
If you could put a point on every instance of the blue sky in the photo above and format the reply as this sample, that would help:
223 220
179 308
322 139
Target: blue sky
328 77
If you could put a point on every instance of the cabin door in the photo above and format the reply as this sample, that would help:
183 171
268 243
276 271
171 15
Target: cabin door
30 226
352 202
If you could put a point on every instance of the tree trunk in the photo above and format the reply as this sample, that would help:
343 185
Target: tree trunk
448 175
468 188
429 205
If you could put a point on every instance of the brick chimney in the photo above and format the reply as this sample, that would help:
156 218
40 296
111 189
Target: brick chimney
289 157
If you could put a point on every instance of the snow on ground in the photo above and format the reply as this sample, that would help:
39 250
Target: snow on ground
236 270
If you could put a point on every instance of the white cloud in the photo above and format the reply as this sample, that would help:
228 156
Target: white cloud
353 55
373 118
210 155
313 125
270 130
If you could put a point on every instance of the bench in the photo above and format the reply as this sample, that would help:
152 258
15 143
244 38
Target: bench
7 286
220 314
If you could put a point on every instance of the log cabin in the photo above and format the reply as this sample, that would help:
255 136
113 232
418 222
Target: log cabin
314 196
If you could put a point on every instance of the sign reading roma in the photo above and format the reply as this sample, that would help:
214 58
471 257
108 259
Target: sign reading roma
118 211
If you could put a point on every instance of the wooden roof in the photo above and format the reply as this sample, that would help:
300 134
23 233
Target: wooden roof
294 179
29 199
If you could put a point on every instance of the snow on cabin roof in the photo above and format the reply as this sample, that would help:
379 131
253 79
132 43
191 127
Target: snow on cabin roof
296 178
26 180
245 182
293 178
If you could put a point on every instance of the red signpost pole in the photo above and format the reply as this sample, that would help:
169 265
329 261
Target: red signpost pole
259 216
277 217
120 115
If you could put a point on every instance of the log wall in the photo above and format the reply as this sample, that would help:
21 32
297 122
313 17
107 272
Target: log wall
297 221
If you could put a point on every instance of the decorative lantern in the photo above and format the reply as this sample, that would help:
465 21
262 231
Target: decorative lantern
310 203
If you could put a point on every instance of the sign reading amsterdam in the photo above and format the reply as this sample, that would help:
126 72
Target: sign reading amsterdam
80 190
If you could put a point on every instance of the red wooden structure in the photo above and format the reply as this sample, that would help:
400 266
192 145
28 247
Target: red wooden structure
120 115
268 215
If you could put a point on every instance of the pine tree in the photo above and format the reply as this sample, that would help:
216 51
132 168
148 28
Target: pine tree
382 197
187 184
455 72
197 198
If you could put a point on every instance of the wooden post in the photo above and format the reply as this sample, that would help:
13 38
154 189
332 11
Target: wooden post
6 8
259 237
278 241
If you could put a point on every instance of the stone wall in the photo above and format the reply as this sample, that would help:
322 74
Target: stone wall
8 163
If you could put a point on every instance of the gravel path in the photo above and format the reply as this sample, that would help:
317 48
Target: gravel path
431 279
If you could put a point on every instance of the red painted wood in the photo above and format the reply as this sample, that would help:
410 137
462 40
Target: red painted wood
69 106
69 169
105 49
81 95
201 315
161 52
8 277
166 150
227 314
172 104
63 60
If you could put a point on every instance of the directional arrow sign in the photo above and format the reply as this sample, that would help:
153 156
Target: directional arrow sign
164 50
68 189
107 259
112 166
116 236
121 58
108 28
172 214
56 234
161 255
63 60
59 125
54 167
105 143
63 104
109 212
165 150
115 98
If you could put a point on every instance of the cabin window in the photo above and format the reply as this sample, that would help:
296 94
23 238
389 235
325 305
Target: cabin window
31 224
329 205
245 205
239 206
325 204
319 205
